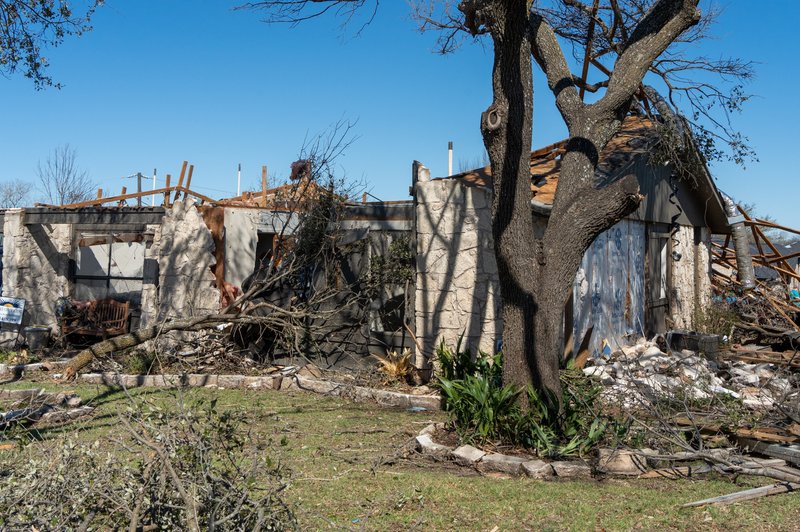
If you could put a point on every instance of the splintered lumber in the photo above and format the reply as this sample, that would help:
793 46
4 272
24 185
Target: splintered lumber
167 192
263 186
790 453
746 495
180 181
188 181
122 197
677 472
65 416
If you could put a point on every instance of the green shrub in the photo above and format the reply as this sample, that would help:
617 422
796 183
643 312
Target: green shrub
482 409
479 409
140 362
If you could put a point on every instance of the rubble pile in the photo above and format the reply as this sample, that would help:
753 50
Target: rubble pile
639 375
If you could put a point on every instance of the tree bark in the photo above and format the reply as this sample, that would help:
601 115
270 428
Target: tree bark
506 128
126 341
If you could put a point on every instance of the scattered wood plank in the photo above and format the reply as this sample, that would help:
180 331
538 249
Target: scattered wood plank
180 181
677 472
746 495
767 435
790 453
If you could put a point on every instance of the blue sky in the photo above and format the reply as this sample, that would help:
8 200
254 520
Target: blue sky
160 81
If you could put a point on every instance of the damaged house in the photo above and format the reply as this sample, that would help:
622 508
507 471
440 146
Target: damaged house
649 273
192 255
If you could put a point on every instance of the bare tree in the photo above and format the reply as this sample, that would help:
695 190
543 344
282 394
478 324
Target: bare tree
13 193
536 275
28 27
61 180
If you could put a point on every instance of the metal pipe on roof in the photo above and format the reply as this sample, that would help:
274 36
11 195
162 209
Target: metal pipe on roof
741 243
449 158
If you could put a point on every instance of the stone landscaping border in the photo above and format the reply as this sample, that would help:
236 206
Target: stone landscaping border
272 382
469 456
360 394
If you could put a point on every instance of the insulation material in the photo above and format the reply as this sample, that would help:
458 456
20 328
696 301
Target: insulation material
609 287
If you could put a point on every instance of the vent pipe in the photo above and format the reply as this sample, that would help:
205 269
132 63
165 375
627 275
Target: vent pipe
239 181
449 158
741 242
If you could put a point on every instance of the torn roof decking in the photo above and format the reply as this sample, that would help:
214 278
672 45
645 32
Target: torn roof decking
700 204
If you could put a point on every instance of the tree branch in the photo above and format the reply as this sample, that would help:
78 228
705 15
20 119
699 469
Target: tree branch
665 21
547 53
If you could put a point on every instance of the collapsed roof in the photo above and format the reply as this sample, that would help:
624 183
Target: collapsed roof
637 136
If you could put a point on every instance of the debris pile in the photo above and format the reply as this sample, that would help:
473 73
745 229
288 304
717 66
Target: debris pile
27 407
765 310
639 376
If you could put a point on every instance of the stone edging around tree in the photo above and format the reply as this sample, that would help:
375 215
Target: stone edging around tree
469 456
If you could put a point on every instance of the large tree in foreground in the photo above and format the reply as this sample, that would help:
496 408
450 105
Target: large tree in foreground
536 275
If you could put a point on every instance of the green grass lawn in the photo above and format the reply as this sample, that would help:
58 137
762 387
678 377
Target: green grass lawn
336 455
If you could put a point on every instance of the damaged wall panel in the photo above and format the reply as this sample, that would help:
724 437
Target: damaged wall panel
609 290
35 265
186 256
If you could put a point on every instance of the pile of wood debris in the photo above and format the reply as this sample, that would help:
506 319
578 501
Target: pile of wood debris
33 406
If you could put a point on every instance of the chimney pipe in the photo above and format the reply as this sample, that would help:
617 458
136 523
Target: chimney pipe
450 158
741 242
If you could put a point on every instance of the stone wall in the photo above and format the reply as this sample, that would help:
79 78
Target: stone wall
35 266
690 262
185 251
457 292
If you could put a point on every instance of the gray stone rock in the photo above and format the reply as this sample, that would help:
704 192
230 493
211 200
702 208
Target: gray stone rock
572 469
620 462
430 448
502 463
652 351
467 455
538 469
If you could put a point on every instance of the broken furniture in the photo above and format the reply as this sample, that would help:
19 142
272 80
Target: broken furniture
102 317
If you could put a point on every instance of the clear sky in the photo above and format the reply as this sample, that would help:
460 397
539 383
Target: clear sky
160 81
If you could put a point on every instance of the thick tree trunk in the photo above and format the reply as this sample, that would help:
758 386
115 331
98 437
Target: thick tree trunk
506 127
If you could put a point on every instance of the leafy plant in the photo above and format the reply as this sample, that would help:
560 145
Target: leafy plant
140 362
481 408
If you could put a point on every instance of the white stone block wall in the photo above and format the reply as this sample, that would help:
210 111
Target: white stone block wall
457 292
185 253
690 264
35 265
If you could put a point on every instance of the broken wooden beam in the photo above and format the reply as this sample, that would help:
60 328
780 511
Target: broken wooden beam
790 453
755 493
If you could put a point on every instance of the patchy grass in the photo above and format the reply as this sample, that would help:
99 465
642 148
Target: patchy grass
344 473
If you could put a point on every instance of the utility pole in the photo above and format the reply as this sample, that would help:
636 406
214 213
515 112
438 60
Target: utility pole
153 196
139 189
